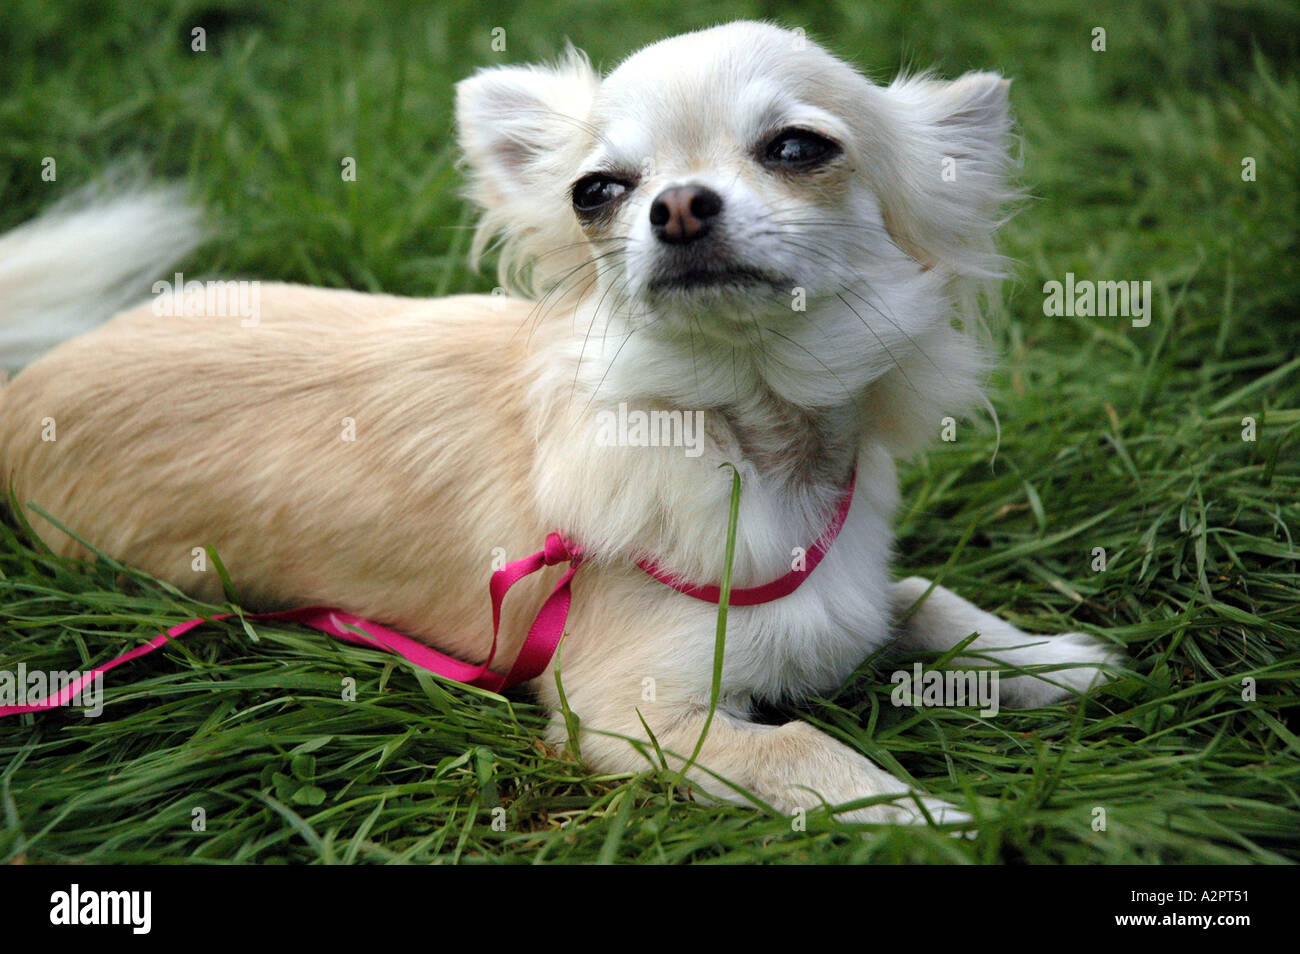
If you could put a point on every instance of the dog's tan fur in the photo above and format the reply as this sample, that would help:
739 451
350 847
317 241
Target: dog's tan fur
176 432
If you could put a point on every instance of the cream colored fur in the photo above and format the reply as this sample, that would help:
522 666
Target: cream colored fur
474 415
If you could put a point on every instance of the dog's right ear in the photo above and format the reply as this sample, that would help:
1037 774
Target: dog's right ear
513 118
520 130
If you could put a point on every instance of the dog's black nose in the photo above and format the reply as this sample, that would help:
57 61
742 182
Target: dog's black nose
681 214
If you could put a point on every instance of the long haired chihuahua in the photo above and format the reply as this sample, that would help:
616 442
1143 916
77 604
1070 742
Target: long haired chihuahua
733 235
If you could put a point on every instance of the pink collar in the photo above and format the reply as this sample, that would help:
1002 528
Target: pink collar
539 646
774 590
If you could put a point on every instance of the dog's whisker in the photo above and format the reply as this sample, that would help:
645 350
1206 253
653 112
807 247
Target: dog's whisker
866 324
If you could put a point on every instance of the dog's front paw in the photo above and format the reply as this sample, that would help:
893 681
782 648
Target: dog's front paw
938 811
906 811
909 807
1098 659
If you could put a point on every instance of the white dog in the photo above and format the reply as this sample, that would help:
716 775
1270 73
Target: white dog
733 227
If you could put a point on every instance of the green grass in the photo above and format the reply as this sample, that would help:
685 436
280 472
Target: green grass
1111 436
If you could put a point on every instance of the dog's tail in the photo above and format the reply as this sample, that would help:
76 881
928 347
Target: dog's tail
84 260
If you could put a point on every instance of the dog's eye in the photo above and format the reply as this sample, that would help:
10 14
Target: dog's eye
799 149
592 192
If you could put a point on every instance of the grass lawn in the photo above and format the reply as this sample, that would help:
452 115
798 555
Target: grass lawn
1112 436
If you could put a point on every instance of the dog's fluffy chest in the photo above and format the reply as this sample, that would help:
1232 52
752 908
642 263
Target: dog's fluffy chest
813 639
810 640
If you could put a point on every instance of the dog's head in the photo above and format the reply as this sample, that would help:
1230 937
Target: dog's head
742 174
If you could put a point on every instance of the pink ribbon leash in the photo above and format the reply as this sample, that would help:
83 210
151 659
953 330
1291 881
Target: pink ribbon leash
538 647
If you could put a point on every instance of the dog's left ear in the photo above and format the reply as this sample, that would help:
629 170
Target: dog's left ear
954 160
